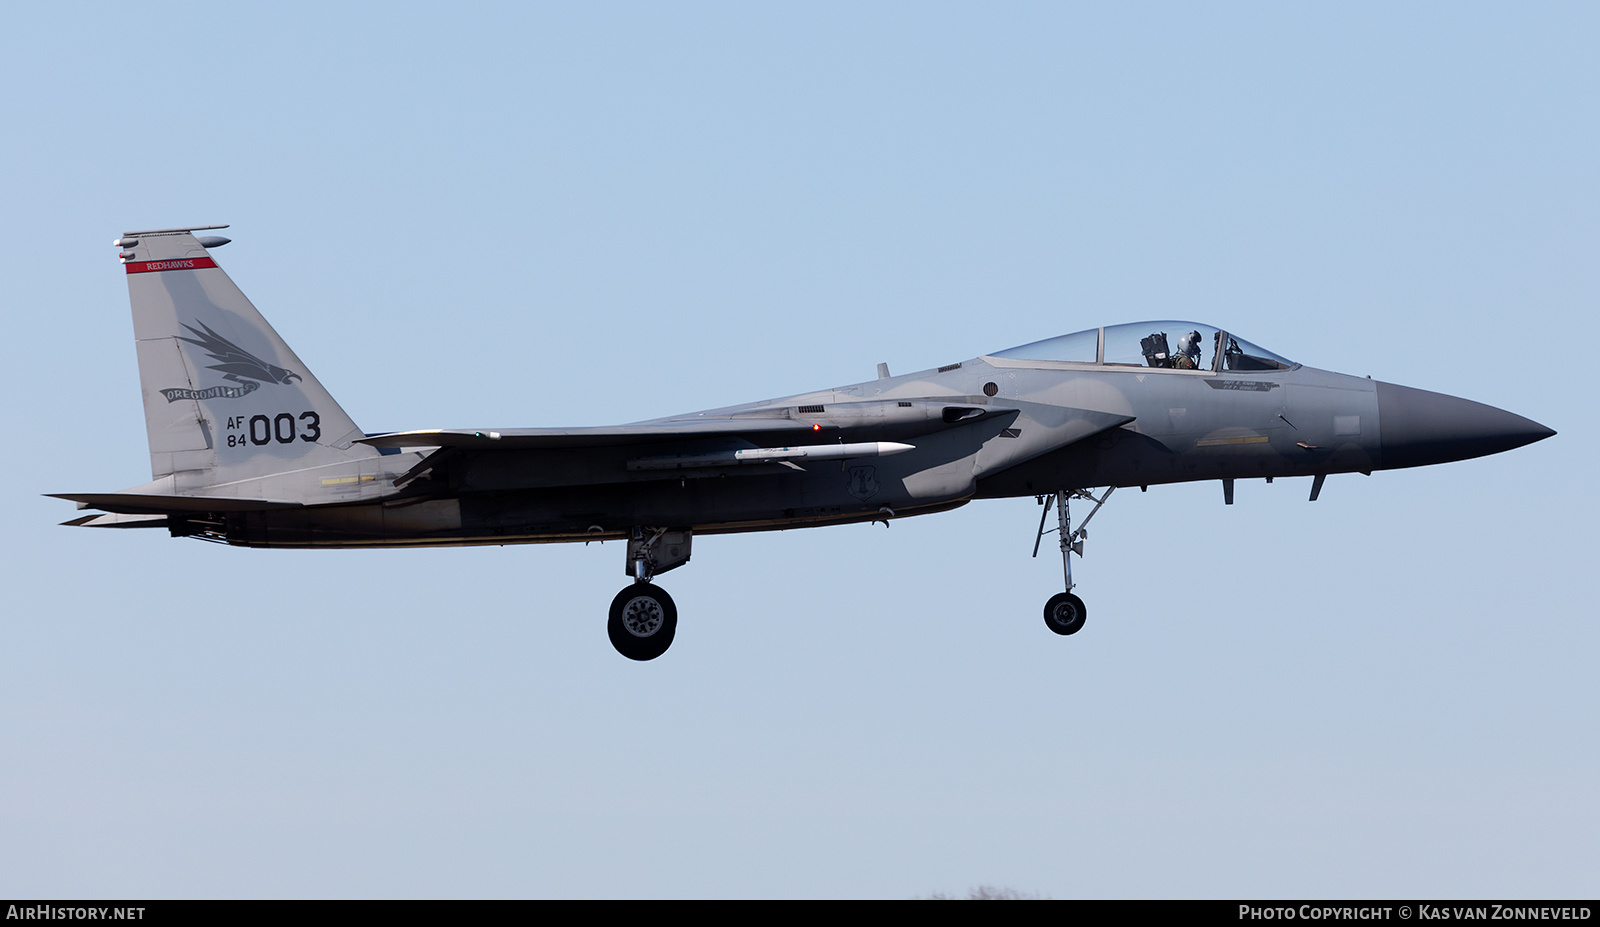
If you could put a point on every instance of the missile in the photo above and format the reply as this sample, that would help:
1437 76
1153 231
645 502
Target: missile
770 455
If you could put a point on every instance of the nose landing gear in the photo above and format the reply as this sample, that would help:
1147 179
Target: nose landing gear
1065 613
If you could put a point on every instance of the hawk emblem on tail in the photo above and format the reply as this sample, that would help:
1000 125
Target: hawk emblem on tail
237 365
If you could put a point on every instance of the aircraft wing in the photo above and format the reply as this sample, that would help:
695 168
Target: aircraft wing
1066 424
605 436
661 449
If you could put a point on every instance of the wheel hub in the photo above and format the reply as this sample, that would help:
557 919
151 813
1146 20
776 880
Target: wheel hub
642 616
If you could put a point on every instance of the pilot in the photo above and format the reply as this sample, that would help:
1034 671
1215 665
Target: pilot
1188 356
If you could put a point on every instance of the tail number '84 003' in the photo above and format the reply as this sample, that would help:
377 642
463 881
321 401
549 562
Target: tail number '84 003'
283 428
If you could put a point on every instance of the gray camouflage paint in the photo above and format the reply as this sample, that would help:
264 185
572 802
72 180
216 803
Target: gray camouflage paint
247 447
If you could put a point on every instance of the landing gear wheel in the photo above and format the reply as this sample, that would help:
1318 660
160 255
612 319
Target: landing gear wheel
1064 613
643 621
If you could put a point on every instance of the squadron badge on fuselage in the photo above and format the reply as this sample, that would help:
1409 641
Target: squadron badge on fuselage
863 482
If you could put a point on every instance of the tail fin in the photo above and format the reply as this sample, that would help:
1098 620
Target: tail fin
225 398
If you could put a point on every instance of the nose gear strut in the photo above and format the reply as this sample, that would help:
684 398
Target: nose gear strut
1065 613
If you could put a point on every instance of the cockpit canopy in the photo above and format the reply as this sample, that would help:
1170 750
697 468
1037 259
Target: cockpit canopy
1170 345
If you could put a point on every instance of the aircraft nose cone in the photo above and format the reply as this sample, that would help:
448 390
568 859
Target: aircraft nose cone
1416 427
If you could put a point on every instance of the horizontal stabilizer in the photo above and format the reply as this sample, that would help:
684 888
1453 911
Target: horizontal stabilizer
114 520
140 504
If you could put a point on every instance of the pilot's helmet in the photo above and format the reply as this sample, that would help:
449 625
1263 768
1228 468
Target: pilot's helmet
1189 344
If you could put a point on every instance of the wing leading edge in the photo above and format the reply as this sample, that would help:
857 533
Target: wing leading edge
668 447
605 436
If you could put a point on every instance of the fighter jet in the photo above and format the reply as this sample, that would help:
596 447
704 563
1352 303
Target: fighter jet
247 447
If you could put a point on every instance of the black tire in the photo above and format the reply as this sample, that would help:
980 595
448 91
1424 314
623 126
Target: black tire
1065 614
643 622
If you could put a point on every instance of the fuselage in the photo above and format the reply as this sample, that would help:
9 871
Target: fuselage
993 426
249 448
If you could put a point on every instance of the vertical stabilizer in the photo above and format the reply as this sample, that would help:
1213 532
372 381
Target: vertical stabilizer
225 399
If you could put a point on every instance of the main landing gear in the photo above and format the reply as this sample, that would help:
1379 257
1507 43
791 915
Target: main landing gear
1065 613
643 617
643 622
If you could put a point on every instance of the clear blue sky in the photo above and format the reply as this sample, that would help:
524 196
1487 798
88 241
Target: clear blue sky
525 215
